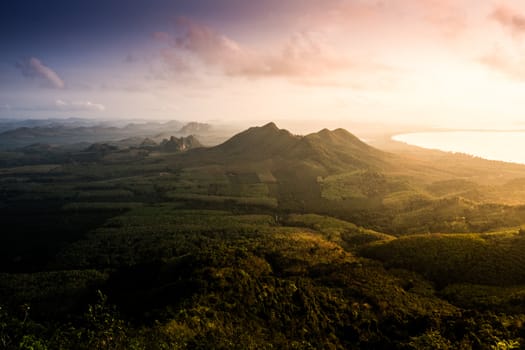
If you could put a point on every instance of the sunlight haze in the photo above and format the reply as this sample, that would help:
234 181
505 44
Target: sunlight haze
435 63
262 174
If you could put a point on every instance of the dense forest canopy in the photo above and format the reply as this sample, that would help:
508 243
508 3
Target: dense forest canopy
267 240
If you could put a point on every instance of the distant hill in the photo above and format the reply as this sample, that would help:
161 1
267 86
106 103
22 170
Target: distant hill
330 172
334 172
326 151
101 147
179 144
194 128
148 143
12 124
19 134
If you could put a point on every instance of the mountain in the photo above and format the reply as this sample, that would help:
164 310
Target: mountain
327 151
68 132
335 173
257 143
101 148
194 128
11 124
338 150
148 143
179 144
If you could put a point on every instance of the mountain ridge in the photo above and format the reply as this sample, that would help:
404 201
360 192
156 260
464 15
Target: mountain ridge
327 150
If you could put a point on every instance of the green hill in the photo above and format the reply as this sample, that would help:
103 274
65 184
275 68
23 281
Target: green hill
489 259
334 173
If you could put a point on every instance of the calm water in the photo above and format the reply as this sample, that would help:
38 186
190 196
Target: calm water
496 145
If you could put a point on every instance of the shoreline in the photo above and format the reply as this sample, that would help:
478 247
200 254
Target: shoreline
474 143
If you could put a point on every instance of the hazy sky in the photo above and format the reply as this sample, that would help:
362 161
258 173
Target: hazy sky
437 62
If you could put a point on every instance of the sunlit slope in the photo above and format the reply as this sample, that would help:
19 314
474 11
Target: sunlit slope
492 259
335 173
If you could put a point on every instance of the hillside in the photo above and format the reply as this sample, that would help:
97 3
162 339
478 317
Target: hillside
335 173
267 240
328 150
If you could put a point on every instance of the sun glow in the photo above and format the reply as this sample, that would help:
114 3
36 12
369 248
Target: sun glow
494 145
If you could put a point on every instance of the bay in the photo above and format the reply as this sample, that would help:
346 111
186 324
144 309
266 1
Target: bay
507 146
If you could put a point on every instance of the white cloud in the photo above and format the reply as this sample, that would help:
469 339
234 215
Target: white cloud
34 68
75 106
305 54
60 103
510 19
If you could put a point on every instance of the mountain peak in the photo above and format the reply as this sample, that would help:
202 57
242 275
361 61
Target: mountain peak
260 141
322 152
270 125
338 136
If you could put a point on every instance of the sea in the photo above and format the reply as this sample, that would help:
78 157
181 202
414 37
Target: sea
507 146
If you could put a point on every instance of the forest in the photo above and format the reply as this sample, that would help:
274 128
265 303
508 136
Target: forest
267 240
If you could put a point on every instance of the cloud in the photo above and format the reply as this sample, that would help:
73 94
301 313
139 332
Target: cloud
33 68
304 54
214 49
161 36
79 106
174 60
512 68
510 19
447 15
508 58
60 105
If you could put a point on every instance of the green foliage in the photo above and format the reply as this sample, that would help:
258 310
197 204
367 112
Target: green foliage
430 340
455 258
30 342
51 294
360 184
207 249
103 327
341 232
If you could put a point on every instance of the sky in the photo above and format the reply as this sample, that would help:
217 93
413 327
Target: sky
442 63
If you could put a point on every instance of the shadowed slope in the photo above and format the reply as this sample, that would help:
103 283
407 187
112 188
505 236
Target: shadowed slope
323 152
258 143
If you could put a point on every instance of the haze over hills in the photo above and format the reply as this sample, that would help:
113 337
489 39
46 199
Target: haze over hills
73 131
